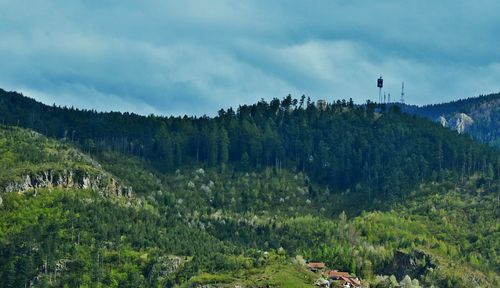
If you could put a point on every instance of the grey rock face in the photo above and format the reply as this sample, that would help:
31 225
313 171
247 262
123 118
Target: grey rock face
442 121
462 122
67 179
459 122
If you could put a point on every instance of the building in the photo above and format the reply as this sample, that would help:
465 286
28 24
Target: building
335 275
341 279
321 105
316 266
350 282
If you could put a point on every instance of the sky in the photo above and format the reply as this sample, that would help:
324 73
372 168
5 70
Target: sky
195 57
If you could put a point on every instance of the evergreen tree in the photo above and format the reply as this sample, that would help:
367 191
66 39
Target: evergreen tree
223 146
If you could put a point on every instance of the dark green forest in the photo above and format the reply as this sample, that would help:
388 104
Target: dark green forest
242 197
366 149
484 110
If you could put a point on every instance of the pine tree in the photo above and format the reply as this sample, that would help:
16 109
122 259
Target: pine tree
8 276
213 147
223 146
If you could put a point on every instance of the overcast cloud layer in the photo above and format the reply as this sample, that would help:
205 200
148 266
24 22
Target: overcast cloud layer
195 57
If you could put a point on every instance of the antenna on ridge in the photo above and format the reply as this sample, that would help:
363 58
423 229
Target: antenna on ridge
403 93
380 84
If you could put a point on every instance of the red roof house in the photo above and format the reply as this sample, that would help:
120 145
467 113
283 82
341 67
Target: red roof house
344 278
334 274
316 266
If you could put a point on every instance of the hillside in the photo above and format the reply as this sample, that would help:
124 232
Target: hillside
30 161
220 211
344 147
478 116
65 231
243 198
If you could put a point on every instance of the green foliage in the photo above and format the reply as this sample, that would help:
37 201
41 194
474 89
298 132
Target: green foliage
230 200
345 147
275 273
24 152
81 236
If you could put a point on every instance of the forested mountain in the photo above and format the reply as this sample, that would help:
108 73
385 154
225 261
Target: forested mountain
478 116
122 200
344 146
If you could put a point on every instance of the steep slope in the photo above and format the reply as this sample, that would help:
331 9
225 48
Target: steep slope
58 229
372 155
30 161
232 200
426 236
479 116
454 226
211 227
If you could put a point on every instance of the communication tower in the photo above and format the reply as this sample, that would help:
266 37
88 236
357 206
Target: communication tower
403 92
380 84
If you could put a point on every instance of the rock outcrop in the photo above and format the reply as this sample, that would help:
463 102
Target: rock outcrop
459 122
413 264
167 266
69 179
442 121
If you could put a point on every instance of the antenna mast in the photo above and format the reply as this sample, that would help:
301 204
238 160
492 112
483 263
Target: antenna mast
380 84
403 93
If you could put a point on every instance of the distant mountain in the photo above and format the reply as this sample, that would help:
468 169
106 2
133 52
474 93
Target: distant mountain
478 116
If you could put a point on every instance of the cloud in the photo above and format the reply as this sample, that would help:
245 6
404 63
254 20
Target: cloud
195 57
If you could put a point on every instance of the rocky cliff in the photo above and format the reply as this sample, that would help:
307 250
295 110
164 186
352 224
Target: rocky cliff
412 264
30 161
69 179
459 122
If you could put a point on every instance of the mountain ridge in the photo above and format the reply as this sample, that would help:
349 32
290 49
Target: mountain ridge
238 198
483 113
